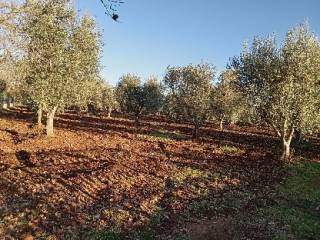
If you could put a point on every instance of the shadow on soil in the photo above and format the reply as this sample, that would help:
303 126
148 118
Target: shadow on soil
136 194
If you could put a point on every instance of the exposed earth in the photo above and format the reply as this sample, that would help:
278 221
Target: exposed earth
101 173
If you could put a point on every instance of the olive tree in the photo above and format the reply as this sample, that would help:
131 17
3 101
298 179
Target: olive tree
126 85
102 98
108 99
9 78
226 100
137 98
190 89
62 56
10 13
84 59
126 82
10 49
153 95
6 74
282 84
172 107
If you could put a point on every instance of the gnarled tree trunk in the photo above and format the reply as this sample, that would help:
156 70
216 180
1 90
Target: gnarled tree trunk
10 102
39 117
197 123
221 123
4 104
50 118
109 112
285 150
286 137
196 131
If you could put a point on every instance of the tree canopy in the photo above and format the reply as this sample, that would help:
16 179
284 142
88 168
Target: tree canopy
136 97
282 84
189 89
62 56
226 100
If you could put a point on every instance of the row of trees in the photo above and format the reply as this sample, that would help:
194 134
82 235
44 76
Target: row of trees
268 84
186 94
54 56
49 60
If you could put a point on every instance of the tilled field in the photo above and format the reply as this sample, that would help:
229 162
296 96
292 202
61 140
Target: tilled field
99 173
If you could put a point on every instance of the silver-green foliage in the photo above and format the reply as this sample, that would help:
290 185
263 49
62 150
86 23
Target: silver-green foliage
62 56
227 103
137 98
188 92
283 84
103 97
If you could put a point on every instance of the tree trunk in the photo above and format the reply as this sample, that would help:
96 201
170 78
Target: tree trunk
39 117
221 123
4 105
286 141
50 118
136 125
10 102
196 131
285 150
136 121
4 101
109 112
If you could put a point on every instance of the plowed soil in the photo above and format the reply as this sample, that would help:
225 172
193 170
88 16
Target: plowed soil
98 173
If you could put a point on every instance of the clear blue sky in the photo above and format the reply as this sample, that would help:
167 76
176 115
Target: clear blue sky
156 33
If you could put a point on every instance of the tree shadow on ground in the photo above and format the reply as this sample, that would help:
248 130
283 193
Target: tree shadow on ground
75 190
251 138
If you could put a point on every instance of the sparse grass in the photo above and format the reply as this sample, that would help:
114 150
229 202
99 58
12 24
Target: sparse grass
198 209
300 207
105 235
186 172
49 237
296 214
149 232
229 150
146 233
166 135
302 146
290 211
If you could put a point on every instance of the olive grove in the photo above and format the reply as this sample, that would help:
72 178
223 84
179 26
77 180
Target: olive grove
50 61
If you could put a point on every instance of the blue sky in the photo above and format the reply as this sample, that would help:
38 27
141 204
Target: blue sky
156 33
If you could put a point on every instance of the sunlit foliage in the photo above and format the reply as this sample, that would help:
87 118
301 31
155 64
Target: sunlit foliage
282 84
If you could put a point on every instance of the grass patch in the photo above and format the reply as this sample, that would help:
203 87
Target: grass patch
166 135
303 146
183 173
106 235
300 208
229 150
149 232
145 233
297 212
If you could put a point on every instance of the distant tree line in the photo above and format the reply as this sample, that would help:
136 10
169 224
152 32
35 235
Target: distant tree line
50 61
